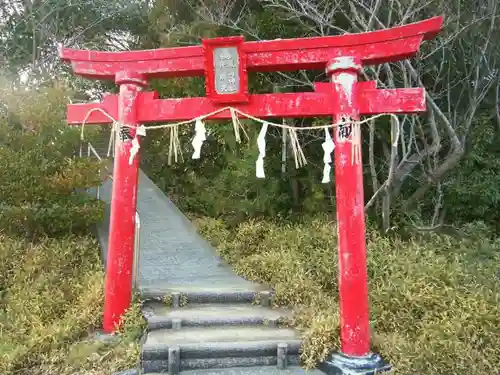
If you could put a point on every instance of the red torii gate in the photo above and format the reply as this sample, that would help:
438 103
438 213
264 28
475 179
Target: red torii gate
225 63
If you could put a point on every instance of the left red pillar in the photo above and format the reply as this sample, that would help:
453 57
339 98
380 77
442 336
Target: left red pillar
119 270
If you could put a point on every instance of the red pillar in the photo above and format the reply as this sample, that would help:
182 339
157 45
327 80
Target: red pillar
353 280
118 290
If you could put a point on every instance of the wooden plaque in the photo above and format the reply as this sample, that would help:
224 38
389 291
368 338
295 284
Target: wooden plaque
226 70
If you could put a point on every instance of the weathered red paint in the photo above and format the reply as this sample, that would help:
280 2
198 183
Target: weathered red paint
353 282
345 96
120 259
309 104
288 54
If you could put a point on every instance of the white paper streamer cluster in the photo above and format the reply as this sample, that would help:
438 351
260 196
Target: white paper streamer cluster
328 147
200 136
140 131
261 144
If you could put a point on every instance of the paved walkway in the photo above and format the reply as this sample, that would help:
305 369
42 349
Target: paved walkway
172 253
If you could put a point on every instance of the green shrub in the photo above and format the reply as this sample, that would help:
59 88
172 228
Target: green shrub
434 299
473 188
42 185
51 289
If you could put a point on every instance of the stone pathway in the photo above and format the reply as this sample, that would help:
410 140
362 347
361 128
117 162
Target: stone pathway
202 318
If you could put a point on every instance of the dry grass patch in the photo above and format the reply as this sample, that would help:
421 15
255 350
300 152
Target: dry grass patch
50 303
434 303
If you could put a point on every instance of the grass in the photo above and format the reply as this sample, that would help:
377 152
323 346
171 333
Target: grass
434 300
51 302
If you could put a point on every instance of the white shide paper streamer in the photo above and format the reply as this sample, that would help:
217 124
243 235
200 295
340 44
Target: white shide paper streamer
328 147
139 131
134 150
200 136
236 125
261 144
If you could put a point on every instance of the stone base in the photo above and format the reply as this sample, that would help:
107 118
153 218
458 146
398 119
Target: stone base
105 337
340 364
132 371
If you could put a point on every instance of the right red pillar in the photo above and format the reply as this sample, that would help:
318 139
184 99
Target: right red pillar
355 356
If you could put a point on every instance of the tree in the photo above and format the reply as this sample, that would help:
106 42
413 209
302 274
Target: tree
411 179
458 69
31 30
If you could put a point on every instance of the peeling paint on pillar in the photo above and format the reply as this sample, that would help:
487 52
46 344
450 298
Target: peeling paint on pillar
119 272
353 292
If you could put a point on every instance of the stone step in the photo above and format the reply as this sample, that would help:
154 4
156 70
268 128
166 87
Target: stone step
198 338
221 365
160 316
263 370
224 290
215 347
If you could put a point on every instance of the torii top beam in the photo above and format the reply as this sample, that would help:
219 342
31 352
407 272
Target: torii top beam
375 47
276 55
